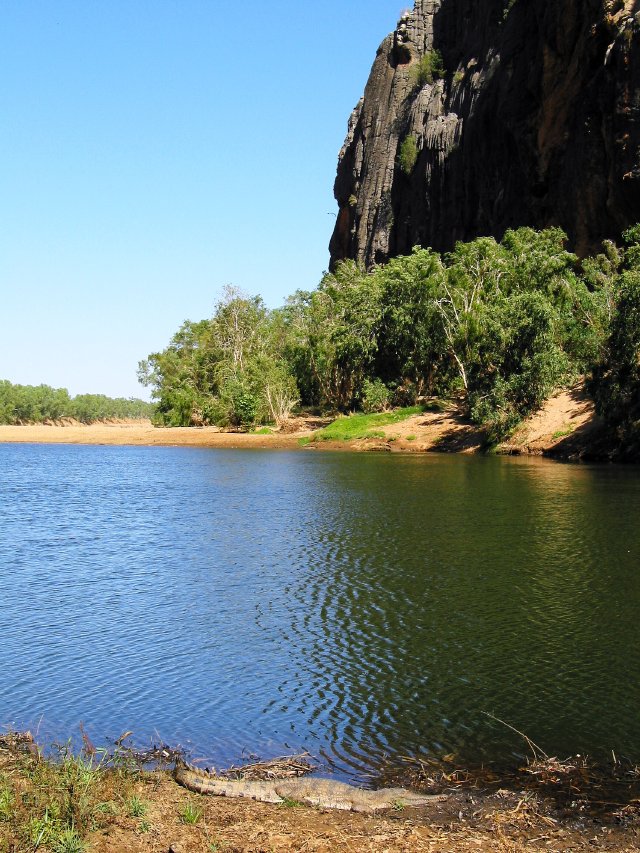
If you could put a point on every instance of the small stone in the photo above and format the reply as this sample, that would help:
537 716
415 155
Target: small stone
175 848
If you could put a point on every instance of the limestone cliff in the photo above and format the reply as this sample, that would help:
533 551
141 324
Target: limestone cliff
533 118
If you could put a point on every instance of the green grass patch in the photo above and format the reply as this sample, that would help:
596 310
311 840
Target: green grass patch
68 842
562 433
354 427
262 431
190 814
136 807
288 803
411 437
53 804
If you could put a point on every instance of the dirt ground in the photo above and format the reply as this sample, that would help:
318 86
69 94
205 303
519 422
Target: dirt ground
170 819
509 822
116 807
566 426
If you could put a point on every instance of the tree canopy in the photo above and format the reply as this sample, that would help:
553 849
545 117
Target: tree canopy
21 404
499 325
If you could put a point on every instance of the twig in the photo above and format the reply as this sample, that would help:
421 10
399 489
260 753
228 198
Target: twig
532 745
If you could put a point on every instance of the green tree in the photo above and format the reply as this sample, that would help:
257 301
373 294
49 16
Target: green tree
523 363
474 276
229 370
504 310
183 376
411 346
333 336
615 379
615 382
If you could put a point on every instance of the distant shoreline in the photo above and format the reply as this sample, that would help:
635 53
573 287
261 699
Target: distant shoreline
143 433
565 428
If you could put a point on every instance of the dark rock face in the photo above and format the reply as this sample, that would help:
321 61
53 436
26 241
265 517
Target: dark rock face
535 121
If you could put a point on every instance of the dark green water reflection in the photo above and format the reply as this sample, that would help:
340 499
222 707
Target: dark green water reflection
451 586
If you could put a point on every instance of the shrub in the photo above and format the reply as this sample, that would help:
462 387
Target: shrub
375 396
408 154
429 68
243 407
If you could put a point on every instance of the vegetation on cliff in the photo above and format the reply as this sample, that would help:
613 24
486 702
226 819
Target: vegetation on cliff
22 404
498 325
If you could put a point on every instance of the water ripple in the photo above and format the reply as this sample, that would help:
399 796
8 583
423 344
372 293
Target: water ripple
361 607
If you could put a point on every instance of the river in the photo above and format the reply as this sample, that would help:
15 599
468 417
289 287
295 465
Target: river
363 607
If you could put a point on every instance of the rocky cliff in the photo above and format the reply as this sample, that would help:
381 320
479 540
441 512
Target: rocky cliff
481 115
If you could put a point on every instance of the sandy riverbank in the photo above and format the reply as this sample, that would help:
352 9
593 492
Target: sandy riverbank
565 426
143 433
123 809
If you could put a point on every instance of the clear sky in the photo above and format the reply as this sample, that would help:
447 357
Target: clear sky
153 151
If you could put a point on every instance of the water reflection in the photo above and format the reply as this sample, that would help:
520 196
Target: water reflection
469 586
362 607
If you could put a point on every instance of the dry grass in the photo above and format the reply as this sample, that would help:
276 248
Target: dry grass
102 803
285 767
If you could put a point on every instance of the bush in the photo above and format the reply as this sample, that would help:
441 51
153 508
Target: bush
429 68
242 405
408 154
176 407
375 396
615 383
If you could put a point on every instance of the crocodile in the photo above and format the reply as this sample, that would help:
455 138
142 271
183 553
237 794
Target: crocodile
324 793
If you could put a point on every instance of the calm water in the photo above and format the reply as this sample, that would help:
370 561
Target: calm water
363 607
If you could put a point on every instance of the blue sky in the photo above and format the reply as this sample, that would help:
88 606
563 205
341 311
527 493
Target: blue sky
153 152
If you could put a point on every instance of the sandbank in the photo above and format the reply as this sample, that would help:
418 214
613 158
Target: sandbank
565 427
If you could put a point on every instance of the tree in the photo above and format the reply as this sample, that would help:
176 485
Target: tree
411 346
503 310
238 328
524 363
229 370
332 340
615 380
183 376
472 281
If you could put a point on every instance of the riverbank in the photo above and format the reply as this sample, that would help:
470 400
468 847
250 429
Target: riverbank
121 808
143 433
565 427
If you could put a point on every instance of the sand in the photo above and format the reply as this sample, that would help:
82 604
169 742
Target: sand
142 433
565 426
